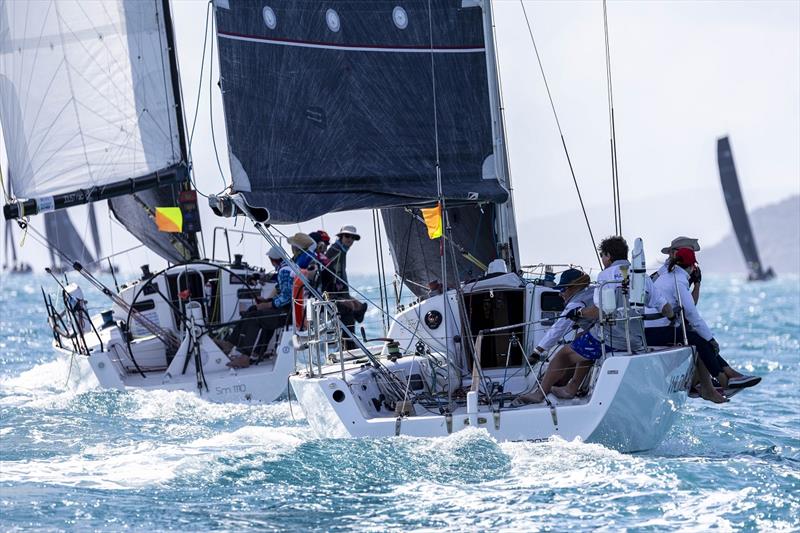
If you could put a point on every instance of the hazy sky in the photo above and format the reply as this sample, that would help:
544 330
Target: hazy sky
684 73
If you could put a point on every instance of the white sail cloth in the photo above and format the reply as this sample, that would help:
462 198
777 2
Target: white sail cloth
81 85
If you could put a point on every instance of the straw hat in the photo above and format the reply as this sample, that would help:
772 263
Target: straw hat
300 240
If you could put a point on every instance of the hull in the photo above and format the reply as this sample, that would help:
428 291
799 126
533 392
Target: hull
633 404
262 383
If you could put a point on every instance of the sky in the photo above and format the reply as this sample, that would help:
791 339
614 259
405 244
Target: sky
684 73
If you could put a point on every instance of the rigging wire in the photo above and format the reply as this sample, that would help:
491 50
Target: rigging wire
561 133
612 130
445 220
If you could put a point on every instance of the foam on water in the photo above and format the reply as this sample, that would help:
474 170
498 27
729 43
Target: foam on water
84 458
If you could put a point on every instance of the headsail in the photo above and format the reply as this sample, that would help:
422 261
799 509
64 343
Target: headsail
417 258
66 245
83 87
331 106
739 218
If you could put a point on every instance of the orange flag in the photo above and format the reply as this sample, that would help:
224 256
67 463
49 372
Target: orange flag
433 219
169 219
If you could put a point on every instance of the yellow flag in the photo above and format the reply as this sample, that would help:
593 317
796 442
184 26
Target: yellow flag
169 219
433 219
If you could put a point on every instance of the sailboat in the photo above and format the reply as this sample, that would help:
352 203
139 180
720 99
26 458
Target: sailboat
64 242
334 106
91 110
738 213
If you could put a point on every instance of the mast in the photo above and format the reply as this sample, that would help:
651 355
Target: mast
506 226
176 80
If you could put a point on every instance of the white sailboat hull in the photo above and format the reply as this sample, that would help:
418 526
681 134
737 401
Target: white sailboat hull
633 404
262 383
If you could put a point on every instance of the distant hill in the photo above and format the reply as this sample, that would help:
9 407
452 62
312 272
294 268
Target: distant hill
777 232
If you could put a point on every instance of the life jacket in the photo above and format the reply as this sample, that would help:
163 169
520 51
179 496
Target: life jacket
298 293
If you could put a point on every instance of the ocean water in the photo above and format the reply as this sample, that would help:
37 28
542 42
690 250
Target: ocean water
79 458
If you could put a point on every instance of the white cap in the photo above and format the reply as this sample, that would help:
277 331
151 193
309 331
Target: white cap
276 252
498 266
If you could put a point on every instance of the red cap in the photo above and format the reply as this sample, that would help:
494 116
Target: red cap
324 236
685 257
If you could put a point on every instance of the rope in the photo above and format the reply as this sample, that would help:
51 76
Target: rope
561 133
612 131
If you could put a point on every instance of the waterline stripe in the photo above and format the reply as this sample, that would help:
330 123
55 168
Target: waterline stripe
354 48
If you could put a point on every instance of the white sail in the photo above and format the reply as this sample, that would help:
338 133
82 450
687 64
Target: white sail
72 79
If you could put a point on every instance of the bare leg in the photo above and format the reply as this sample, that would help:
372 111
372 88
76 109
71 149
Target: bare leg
707 390
581 366
556 371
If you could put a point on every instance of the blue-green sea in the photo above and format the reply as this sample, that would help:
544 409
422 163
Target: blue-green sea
87 459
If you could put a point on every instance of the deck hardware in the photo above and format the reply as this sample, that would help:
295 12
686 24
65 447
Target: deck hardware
496 414
397 423
448 418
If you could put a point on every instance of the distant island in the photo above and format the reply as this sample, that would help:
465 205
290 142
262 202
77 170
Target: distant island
776 228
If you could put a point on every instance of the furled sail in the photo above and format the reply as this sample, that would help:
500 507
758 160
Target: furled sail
417 257
340 105
739 218
66 245
86 101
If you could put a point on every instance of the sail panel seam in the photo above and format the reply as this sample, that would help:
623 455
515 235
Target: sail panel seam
353 47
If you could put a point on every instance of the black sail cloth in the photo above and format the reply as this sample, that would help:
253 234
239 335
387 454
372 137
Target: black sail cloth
329 106
417 257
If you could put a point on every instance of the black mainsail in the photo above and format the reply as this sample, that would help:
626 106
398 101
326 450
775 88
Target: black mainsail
738 213
90 110
333 106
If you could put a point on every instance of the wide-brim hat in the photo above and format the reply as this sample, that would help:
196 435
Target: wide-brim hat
572 277
349 230
682 242
300 240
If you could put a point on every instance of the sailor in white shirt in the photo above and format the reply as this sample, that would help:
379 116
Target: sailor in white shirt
575 290
612 250
695 277
674 286
587 348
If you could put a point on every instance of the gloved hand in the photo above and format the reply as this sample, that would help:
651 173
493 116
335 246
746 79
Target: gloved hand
573 314
696 276
715 345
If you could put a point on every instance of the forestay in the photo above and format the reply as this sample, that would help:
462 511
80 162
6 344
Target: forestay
331 106
82 84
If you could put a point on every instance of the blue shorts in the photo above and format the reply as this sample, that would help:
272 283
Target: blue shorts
588 347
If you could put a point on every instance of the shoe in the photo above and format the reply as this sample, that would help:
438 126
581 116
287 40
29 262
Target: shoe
743 382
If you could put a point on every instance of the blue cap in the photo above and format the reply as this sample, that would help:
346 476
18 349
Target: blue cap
568 278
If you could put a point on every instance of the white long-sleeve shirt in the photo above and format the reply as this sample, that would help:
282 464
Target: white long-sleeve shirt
563 325
615 334
614 273
667 284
